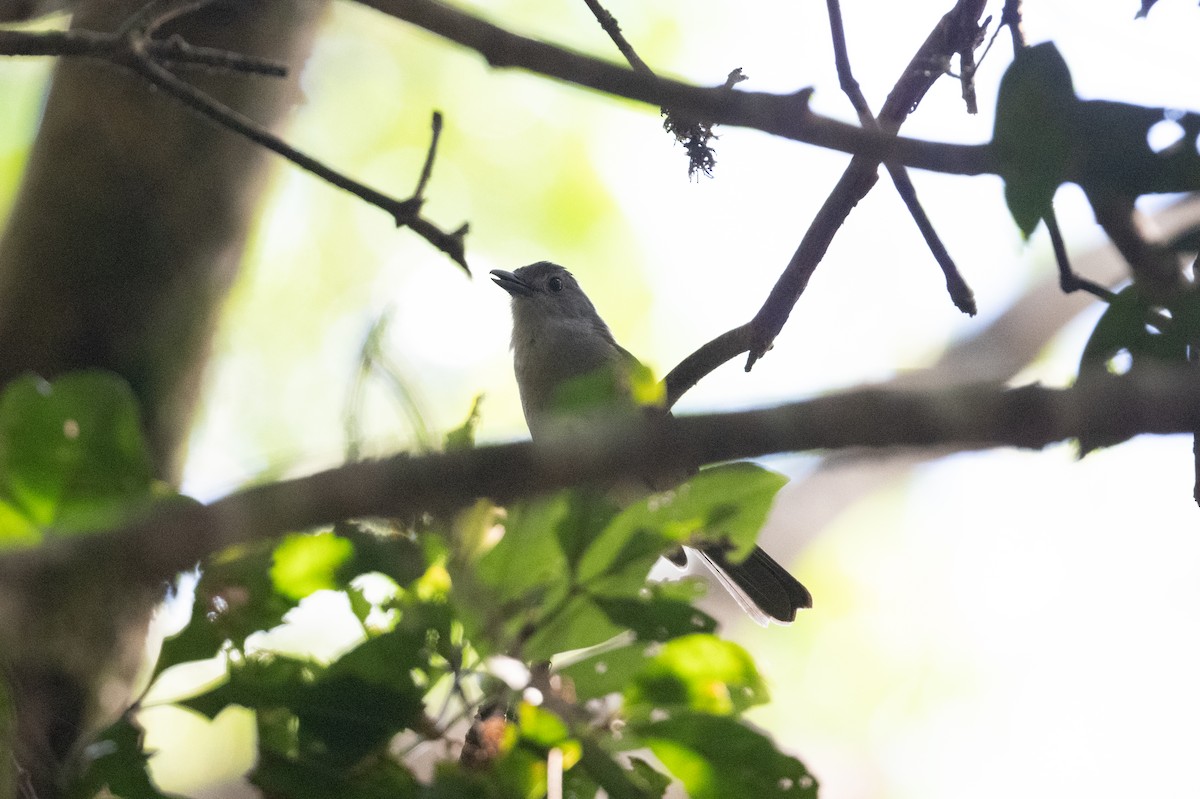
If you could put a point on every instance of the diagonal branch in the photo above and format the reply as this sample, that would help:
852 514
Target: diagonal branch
756 336
960 292
135 48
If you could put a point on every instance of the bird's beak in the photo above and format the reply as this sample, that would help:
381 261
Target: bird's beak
511 283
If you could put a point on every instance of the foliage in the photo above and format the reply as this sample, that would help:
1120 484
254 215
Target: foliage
72 456
539 612
527 632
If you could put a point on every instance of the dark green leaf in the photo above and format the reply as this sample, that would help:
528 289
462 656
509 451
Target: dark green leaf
1140 332
698 672
388 657
388 551
115 764
656 616
1033 131
307 778
724 505
450 781
716 757
588 513
235 597
1114 155
618 782
345 717
72 454
259 682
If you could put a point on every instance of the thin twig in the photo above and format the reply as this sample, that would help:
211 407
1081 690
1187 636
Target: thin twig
841 59
406 213
134 48
967 67
692 132
104 46
1010 18
1068 281
609 23
427 169
960 293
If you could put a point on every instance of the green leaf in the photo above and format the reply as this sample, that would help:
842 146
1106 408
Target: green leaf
345 717
717 757
72 455
115 764
527 559
342 713
617 781
259 683
1127 325
295 778
656 615
723 505
607 672
235 597
576 625
654 780
588 513
541 727
697 672
463 437
1114 155
1032 137
388 657
450 781
383 549
304 563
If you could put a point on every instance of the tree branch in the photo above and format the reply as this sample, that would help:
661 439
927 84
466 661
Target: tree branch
757 336
960 293
784 115
111 47
135 48
978 416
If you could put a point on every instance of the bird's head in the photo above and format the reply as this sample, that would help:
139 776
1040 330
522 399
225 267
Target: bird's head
545 291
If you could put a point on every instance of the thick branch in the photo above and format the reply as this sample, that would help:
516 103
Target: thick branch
976 416
785 115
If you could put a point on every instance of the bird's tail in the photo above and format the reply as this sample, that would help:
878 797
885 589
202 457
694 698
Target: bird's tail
763 588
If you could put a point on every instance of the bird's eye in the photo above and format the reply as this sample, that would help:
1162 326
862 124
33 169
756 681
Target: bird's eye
554 284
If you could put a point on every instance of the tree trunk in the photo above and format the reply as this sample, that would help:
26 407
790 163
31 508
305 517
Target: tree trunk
125 237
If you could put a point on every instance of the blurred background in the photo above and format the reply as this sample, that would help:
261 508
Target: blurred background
984 623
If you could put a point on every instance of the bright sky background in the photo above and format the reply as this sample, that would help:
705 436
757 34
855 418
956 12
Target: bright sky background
985 624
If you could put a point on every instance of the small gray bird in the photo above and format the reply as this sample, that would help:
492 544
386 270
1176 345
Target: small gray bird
566 361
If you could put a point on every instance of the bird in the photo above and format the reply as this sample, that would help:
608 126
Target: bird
560 342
